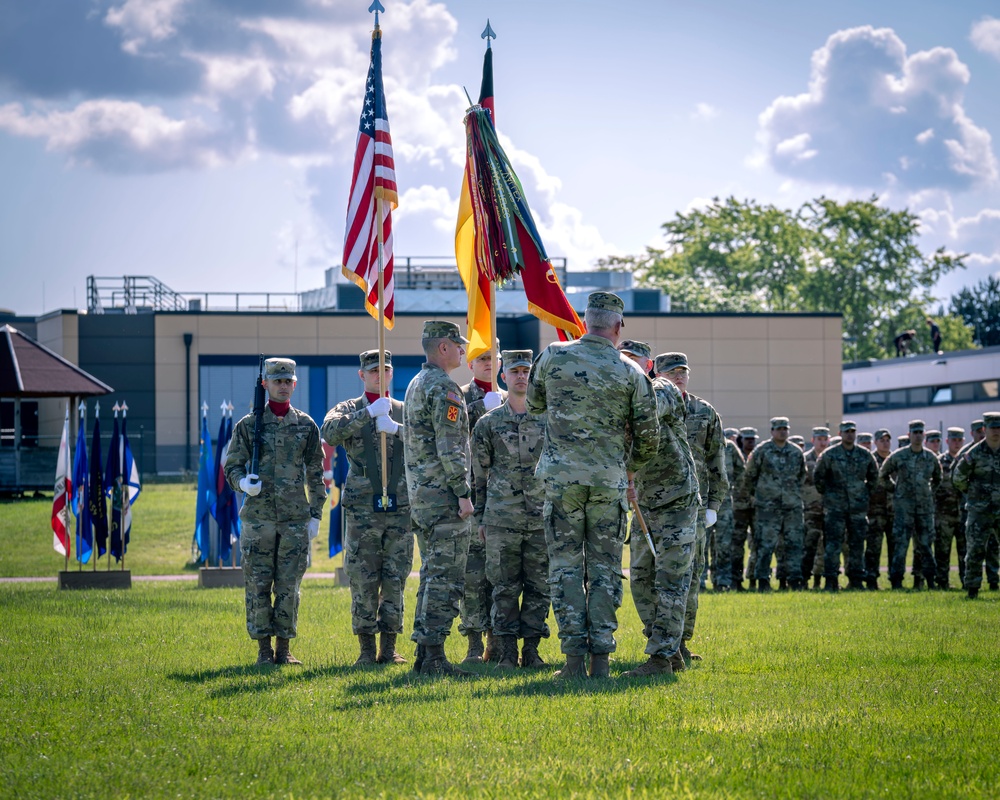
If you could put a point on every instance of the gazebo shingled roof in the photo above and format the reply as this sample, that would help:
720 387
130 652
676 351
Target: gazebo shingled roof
29 369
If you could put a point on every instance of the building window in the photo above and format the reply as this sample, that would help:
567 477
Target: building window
897 399
988 390
941 395
854 402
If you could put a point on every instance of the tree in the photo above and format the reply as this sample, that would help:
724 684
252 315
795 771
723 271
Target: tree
980 308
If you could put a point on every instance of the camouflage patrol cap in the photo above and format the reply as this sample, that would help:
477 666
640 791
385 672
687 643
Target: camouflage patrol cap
796 439
882 432
820 430
848 425
835 440
517 358
731 432
665 362
933 435
864 437
606 301
275 368
779 422
956 433
748 433
439 329
903 440
977 425
992 419
640 349
917 426
369 360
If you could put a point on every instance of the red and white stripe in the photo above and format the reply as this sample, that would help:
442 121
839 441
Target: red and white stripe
62 496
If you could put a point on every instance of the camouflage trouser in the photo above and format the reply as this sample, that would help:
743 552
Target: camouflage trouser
477 596
517 564
813 550
691 610
584 533
879 527
722 558
981 527
948 527
378 556
444 547
660 586
907 521
993 559
742 535
836 525
772 525
274 561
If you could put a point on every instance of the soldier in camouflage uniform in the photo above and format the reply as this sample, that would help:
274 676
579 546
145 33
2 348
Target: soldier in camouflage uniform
775 473
281 511
915 473
743 515
845 476
477 597
707 444
378 546
436 435
865 440
506 444
814 554
948 515
590 394
879 514
722 559
932 441
667 492
977 474
978 432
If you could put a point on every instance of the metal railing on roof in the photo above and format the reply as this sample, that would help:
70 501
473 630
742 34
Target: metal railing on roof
137 294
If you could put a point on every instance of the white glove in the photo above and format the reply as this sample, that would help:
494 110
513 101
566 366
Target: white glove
380 407
250 484
711 518
313 528
492 400
386 424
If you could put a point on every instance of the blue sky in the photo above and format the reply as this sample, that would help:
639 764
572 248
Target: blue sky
199 141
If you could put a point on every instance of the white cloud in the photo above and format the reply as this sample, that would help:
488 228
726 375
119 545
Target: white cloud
985 36
427 199
704 112
141 21
874 115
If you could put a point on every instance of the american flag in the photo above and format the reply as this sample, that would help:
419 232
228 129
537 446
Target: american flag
373 181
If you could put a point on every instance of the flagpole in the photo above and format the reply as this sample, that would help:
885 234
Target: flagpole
493 334
125 480
97 416
86 498
65 493
111 530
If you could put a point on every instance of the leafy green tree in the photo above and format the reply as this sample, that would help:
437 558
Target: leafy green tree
979 307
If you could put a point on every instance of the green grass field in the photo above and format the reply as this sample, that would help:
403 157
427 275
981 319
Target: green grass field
152 692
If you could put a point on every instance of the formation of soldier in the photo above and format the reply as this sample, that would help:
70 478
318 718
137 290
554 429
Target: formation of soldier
524 499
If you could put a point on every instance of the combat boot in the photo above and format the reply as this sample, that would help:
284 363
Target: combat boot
973 592
529 653
782 585
475 652
367 657
873 584
677 663
897 583
507 652
687 655
763 587
418 658
930 584
817 581
494 649
576 667
994 586
437 663
752 583
281 654
832 585
739 586
944 586
599 666
265 653
855 585
918 582
657 665
387 650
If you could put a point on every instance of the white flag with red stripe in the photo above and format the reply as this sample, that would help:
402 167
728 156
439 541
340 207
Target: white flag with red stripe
373 193
63 495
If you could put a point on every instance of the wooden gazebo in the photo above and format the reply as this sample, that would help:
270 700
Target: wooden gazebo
30 370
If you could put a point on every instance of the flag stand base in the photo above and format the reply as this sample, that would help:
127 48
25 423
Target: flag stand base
101 579
220 577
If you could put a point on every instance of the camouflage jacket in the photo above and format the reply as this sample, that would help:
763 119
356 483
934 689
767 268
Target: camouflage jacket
505 451
775 474
845 478
913 476
706 439
590 394
977 473
474 395
671 473
812 500
742 495
348 424
436 436
880 499
291 465
947 499
735 467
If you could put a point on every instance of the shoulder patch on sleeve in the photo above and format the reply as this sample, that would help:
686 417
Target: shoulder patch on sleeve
452 413
454 397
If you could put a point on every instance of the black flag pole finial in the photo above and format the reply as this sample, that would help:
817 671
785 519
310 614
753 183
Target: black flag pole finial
377 7
488 34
